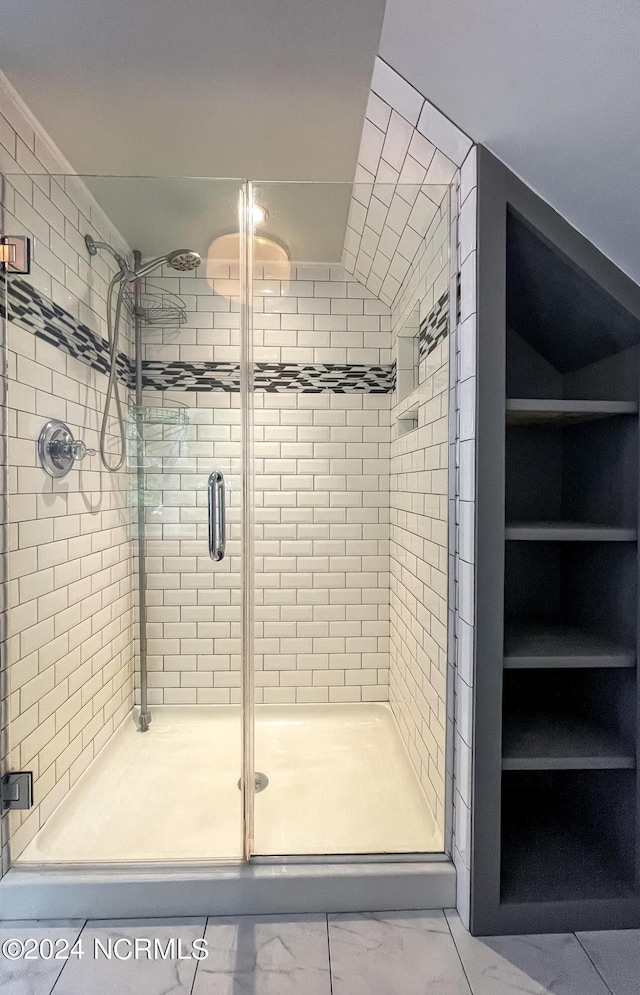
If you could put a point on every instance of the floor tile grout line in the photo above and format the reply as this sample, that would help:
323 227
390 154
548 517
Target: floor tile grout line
455 946
595 966
326 919
60 973
195 973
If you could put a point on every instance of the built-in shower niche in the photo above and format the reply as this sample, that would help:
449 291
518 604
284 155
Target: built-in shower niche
408 356
407 393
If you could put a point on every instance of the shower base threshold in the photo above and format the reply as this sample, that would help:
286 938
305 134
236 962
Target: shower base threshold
258 888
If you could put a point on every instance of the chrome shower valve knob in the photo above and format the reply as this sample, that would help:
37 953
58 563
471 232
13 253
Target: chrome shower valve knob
58 450
76 450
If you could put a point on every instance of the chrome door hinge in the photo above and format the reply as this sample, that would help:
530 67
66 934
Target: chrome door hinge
15 254
16 790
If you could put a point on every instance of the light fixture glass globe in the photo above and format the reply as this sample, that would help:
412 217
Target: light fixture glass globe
226 249
260 215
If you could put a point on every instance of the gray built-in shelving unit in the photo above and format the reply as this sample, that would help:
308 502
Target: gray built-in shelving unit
556 802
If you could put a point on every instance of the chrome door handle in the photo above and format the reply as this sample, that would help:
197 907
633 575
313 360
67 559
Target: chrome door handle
217 516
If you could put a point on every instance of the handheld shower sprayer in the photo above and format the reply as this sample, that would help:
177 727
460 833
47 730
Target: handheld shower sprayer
182 260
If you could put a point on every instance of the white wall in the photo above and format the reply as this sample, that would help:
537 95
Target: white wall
321 500
551 88
419 536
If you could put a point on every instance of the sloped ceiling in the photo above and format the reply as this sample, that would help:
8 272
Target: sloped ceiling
269 90
277 90
274 89
552 87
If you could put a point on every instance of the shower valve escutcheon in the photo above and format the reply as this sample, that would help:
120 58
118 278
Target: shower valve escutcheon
58 450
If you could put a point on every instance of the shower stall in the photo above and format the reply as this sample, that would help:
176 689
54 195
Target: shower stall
226 620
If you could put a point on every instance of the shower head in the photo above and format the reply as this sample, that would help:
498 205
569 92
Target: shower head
182 260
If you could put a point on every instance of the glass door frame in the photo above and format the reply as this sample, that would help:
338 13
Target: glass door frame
247 584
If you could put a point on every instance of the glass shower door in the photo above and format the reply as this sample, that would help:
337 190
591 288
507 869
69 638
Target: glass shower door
298 371
351 349
124 672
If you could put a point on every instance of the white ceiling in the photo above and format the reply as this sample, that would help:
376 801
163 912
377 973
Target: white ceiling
552 87
262 89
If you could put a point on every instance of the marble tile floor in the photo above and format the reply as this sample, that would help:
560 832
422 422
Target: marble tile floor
385 953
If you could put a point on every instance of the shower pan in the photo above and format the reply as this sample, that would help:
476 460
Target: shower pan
228 656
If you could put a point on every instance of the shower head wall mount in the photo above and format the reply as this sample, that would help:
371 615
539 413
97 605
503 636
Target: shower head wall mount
93 246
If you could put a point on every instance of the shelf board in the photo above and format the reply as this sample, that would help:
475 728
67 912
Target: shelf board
532 411
536 645
567 532
561 742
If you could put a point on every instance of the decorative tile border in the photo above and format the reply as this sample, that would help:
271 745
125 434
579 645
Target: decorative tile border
31 310
313 379
158 375
271 377
435 327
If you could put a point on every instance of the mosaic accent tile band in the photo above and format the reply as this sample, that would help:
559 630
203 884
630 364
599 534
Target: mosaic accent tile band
190 376
35 312
32 310
435 327
276 377
270 377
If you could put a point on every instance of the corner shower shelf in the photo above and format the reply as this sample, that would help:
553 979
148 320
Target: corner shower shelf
534 411
543 742
568 532
157 415
156 306
538 646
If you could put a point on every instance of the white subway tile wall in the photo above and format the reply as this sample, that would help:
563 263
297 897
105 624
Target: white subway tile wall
405 140
322 547
321 501
381 236
419 540
193 603
70 647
